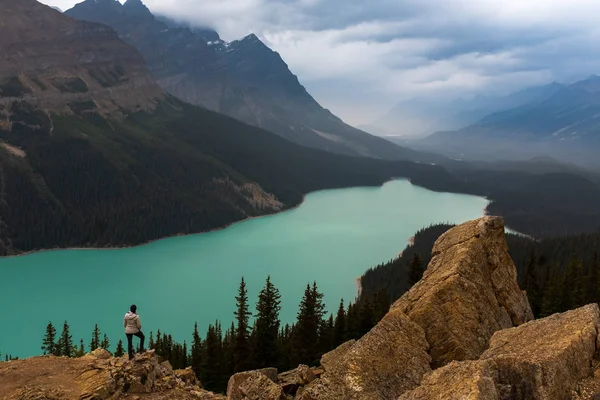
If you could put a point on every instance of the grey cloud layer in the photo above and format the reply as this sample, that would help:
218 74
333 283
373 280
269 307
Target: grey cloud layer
360 57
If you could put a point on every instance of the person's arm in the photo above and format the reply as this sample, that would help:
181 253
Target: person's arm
139 323
124 323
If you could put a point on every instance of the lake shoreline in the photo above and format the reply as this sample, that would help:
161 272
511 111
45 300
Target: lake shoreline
109 248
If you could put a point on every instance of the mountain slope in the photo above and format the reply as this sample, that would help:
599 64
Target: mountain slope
423 116
243 79
93 153
566 125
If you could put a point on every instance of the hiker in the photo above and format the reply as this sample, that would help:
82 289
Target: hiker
133 327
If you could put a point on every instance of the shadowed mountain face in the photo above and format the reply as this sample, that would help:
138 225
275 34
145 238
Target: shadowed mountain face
566 126
94 153
243 79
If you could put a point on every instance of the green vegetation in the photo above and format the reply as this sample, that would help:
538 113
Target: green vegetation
540 205
109 78
70 85
265 343
12 87
101 183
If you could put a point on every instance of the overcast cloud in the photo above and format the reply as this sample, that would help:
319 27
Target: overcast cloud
358 58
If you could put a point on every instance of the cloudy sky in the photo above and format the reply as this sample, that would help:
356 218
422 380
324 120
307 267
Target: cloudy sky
359 58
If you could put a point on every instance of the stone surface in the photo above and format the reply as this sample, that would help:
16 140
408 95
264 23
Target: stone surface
389 360
465 380
95 377
546 358
331 357
187 376
254 385
468 292
291 381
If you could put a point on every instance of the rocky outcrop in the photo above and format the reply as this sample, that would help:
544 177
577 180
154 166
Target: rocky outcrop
543 359
255 385
389 360
293 380
472 380
97 376
329 359
468 292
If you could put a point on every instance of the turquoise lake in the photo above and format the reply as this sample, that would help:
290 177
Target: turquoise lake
332 238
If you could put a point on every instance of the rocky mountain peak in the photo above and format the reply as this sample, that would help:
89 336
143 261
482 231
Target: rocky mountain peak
138 8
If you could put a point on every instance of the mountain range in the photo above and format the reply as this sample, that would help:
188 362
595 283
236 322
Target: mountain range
243 79
94 153
564 125
422 116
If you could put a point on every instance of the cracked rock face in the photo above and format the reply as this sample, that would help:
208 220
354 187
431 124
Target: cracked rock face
468 292
389 360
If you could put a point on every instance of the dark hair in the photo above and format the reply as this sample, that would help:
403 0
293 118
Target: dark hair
133 308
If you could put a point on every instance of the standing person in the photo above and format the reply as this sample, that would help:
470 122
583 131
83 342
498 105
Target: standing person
133 327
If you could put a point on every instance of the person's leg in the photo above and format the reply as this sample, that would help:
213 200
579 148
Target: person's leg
130 345
140 335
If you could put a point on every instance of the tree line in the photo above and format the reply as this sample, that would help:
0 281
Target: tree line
558 273
256 338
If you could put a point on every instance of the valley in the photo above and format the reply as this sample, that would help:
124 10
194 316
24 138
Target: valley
324 240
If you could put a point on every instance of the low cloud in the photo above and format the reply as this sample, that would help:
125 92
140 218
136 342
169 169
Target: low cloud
359 58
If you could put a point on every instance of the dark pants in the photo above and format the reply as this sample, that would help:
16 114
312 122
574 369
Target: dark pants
130 342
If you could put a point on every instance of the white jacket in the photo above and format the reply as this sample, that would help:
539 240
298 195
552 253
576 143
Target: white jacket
132 323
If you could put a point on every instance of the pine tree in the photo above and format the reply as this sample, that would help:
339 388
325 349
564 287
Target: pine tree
105 344
211 372
339 326
531 285
552 297
415 271
381 304
65 342
266 327
119 351
196 361
365 317
151 341
228 350
307 328
80 351
593 291
95 342
242 331
49 345
326 335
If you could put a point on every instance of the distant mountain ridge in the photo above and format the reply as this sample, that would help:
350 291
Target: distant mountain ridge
424 116
243 79
566 125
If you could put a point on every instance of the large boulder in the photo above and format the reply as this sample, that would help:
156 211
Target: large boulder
389 360
330 358
546 358
291 381
468 292
255 385
465 380
543 359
